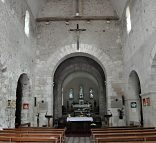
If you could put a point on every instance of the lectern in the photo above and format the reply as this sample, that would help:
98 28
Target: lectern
48 118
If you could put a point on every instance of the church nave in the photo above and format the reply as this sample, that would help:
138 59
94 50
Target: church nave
77 65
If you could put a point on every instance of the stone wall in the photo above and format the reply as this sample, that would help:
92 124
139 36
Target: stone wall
55 43
139 51
68 8
19 54
16 55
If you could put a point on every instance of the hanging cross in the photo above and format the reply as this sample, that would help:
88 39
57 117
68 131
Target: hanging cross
77 30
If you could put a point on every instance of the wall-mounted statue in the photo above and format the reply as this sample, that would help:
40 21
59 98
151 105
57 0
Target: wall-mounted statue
81 92
91 95
71 93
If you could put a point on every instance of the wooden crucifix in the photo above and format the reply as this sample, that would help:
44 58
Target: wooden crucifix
78 30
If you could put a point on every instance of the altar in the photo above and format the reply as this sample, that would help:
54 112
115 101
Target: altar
79 125
79 119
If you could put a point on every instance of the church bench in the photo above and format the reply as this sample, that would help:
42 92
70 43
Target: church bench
29 139
36 133
56 135
135 142
59 136
32 131
115 129
41 128
125 139
36 128
132 132
122 131
94 136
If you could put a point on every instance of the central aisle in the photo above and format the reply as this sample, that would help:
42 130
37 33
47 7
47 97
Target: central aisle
77 140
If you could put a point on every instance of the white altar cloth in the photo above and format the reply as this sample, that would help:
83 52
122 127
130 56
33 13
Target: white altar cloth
74 119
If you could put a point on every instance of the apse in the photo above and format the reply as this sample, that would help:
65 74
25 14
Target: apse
79 87
76 85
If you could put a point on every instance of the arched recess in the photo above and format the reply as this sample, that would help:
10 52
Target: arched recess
22 114
73 82
84 67
152 84
135 112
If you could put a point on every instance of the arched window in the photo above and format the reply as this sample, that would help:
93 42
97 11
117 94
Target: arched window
128 20
27 23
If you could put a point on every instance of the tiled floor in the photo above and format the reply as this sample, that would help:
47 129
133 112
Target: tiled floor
77 140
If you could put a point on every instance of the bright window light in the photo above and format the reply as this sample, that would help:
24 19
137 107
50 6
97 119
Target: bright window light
27 23
3 1
128 20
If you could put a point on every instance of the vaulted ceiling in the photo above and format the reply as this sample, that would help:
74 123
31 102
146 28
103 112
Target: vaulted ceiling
37 5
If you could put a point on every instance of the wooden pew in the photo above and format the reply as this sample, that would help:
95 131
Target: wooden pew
32 131
122 128
37 132
96 135
35 128
125 139
121 135
135 142
58 136
121 131
28 139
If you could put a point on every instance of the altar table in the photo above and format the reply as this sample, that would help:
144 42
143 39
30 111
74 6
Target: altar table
79 125
80 119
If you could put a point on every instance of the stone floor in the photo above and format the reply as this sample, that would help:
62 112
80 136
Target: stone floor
77 140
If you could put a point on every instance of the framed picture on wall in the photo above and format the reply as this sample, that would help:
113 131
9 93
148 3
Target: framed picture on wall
148 101
25 106
133 105
144 101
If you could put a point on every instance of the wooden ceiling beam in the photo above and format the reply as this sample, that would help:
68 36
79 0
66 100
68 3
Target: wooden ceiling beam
75 18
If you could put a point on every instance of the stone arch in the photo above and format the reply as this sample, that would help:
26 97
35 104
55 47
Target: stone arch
80 54
152 81
85 50
68 51
85 65
135 113
22 113
47 68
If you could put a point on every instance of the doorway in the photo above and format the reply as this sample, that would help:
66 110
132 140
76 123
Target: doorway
21 90
134 95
